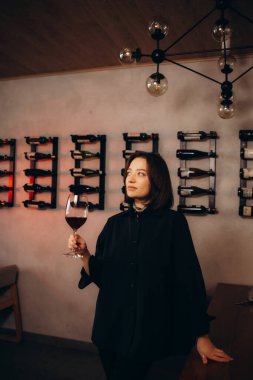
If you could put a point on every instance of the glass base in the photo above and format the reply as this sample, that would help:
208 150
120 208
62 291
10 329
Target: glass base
74 255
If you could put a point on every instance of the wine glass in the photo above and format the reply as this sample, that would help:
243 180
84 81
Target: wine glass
76 214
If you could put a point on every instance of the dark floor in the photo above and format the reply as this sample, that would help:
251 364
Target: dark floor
33 360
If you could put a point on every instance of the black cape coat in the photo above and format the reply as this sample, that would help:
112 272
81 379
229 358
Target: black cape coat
152 299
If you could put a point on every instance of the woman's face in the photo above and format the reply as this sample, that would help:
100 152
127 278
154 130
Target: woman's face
137 181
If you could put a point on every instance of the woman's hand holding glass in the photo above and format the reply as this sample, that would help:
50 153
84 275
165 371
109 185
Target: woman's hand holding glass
77 242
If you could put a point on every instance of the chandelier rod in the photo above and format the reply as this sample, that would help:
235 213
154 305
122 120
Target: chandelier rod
240 14
193 71
189 30
241 75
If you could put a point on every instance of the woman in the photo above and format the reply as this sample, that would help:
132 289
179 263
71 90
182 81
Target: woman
151 301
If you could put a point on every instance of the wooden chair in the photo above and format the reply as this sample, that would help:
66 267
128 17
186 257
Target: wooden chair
9 299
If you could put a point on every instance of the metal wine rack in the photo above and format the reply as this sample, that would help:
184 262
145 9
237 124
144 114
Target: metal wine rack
184 163
245 209
130 139
34 172
80 142
10 157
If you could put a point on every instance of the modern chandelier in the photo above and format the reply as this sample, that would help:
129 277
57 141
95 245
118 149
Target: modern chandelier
157 83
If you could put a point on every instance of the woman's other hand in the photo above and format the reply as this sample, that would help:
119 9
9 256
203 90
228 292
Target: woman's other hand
207 350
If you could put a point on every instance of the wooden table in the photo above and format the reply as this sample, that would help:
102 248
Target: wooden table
232 330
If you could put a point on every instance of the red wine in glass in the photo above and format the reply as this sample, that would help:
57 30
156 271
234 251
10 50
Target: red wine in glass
75 222
76 214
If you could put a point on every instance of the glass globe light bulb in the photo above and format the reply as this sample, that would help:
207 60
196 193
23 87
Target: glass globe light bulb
156 84
158 29
126 56
221 29
230 61
226 109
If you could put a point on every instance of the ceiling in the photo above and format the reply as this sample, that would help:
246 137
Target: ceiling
52 36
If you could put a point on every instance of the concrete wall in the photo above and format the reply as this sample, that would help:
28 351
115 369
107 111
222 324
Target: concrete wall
112 102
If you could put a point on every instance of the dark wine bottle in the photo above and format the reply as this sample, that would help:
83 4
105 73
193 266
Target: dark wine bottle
5 204
80 189
5 188
246 211
246 173
85 138
245 192
191 136
38 140
194 172
127 153
36 204
38 173
201 210
36 188
5 172
246 135
124 206
83 154
7 141
192 154
93 206
247 154
82 172
5 158
188 191
136 136
33 156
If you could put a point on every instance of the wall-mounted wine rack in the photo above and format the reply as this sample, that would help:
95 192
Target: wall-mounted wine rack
246 173
185 154
9 172
130 139
34 156
79 173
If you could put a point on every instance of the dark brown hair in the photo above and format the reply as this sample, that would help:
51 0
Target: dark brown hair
161 194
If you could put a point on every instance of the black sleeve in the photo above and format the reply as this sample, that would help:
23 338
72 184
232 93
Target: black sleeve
95 262
189 284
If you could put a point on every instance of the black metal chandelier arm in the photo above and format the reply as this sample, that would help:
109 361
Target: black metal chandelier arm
193 71
241 75
190 29
240 14
219 50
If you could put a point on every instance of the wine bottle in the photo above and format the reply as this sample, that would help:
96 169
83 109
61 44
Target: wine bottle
84 138
124 206
194 172
5 172
82 172
201 210
136 136
192 154
245 192
38 140
247 154
38 173
246 210
191 136
7 141
246 135
5 158
36 188
5 204
5 188
83 154
246 173
80 189
32 156
188 191
127 153
93 206
36 204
